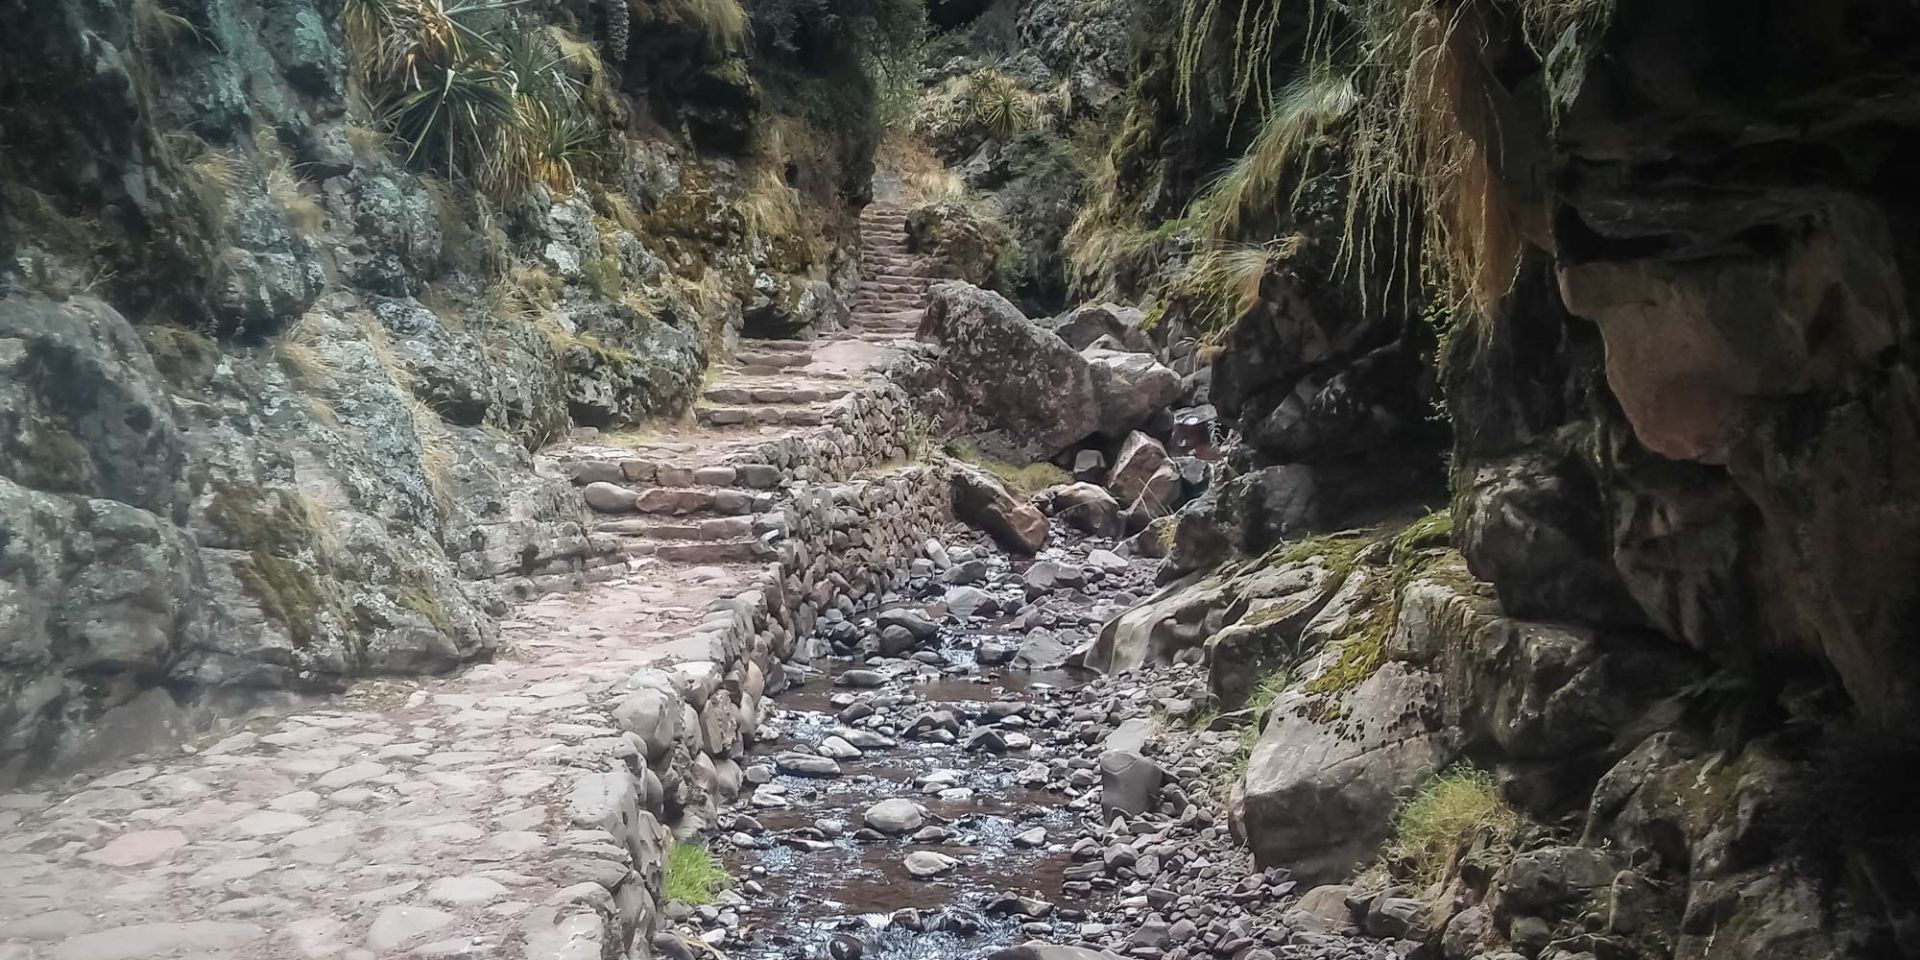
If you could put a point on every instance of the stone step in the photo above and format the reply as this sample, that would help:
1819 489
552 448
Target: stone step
680 501
782 346
778 360
750 476
702 552
736 394
792 416
692 528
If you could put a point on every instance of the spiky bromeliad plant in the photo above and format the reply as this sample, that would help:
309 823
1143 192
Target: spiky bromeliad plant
497 105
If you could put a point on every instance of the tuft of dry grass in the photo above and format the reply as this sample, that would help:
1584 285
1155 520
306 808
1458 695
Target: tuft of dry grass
1252 183
524 293
298 349
304 213
1456 809
926 179
437 458
724 23
1402 85
1223 281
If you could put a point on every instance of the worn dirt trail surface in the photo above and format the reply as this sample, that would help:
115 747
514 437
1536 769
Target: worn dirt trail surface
430 816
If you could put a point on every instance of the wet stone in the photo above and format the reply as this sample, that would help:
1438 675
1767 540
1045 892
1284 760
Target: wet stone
927 864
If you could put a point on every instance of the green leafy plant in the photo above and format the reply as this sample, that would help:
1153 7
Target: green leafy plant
693 876
499 106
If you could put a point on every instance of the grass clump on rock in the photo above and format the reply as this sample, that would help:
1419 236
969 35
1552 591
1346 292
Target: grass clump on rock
1446 818
1021 481
693 875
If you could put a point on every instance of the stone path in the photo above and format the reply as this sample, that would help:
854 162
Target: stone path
503 812
893 286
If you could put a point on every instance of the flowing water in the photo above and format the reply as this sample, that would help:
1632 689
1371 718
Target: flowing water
825 887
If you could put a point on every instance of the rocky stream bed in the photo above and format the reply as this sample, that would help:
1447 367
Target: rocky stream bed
950 786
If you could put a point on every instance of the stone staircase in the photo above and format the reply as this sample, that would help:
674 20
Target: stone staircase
777 413
893 282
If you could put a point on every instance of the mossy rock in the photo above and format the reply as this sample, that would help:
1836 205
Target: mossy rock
287 567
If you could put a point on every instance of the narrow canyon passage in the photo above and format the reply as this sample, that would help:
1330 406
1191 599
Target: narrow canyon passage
959 479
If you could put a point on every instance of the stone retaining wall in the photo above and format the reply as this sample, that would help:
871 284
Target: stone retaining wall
685 725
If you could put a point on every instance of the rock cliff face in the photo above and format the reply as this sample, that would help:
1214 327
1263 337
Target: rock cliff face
272 369
1680 490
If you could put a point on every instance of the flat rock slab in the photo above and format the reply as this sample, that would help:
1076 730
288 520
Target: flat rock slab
156 940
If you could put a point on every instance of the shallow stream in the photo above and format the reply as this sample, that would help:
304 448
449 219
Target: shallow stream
813 880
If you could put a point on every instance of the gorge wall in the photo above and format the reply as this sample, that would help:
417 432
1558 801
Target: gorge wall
292 291
1544 372
1652 283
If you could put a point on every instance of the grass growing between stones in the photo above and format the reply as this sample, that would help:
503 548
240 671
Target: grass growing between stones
1266 692
693 875
1458 808
1233 769
1022 481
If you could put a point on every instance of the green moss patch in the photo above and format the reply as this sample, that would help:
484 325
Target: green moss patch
286 567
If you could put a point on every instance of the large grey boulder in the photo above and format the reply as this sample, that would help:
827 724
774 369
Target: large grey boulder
1050 951
895 816
1128 388
1139 458
956 242
979 498
1180 617
927 864
1083 325
1032 395
791 308
1321 788
654 716
1085 507
1041 650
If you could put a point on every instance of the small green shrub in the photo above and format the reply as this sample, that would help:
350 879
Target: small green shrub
1446 817
693 875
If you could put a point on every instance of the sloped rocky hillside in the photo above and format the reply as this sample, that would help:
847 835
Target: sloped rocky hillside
291 292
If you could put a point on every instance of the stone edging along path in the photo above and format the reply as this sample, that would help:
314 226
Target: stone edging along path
520 807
